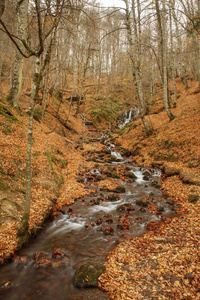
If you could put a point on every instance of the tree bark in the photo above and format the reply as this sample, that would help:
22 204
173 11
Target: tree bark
163 50
25 219
136 63
2 7
22 12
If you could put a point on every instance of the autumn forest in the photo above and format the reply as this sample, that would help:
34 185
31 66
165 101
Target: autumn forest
99 149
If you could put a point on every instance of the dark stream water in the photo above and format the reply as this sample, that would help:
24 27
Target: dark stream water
76 233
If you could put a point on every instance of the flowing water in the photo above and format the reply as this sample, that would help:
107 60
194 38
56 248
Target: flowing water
86 231
128 115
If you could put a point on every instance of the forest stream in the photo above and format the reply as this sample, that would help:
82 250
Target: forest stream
85 231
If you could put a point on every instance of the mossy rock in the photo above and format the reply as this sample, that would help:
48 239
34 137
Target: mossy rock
142 203
87 274
37 114
121 208
130 175
7 113
193 198
113 197
119 189
156 183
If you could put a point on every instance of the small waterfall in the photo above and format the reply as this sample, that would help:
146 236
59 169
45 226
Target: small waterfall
127 116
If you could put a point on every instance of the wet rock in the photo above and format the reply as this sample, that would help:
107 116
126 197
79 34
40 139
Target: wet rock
5 288
42 263
128 168
107 216
70 210
156 183
113 197
193 198
160 209
99 221
20 259
108 231
142 209
114 175
111 158
96 201
58 254
90 225
121 208
107 151
142 203
119 189
109 221
146 173
123 224
87 274
130 207
130 175
38 255
151 194
41 259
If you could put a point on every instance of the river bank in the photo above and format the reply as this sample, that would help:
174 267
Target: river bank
164 263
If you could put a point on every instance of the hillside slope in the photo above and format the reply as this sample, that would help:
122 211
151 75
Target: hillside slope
164 263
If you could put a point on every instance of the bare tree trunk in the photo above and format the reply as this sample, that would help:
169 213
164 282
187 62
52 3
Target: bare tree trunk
1 64
22 12
136 63
163 49
46 89
2 7
196 57
173 59
24 225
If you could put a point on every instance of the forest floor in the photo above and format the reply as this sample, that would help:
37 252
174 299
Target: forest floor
164 263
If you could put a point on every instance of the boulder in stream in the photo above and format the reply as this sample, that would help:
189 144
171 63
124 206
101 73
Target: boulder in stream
87 274
41 259
142 203
113 197
130 175
119 189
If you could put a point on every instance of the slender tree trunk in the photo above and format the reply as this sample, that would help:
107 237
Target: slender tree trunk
25 219
196 57
136 63
46 89
173 59
1 65
2 7
22 12
163 50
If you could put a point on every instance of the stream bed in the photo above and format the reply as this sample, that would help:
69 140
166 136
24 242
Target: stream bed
85 231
